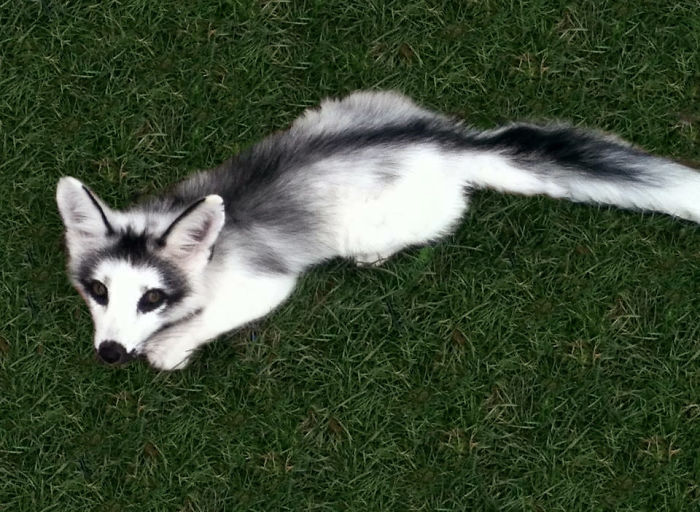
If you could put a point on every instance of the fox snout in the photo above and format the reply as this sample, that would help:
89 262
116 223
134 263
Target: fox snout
111 352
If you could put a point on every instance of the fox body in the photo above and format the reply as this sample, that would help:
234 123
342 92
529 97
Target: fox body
361 177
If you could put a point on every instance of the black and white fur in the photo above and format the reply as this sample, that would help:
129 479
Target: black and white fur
361 178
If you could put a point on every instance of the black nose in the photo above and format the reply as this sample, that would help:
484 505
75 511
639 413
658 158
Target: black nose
112 352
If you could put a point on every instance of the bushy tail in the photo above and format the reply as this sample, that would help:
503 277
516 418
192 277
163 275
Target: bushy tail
565 162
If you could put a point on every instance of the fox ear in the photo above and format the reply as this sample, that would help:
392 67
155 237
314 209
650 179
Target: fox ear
84 215
190 237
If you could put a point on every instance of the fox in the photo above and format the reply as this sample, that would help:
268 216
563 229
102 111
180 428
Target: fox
360 177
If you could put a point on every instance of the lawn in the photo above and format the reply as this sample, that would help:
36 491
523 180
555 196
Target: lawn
546 357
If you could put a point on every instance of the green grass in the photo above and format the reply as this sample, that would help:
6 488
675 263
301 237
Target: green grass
545 357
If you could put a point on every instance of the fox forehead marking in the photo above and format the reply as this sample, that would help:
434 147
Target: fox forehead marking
122 275
148 273
136 249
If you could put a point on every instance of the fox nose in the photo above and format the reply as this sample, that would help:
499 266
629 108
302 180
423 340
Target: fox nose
112 352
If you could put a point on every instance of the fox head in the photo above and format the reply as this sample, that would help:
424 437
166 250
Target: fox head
139 271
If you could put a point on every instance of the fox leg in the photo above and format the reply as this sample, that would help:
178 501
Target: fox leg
236 303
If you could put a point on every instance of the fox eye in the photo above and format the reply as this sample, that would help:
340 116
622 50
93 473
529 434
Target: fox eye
154 296
151 300
98 291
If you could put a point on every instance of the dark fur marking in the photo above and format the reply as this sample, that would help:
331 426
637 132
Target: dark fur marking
177 322
566 147
110 229
138 249
529 145
162 240
270 263
132 246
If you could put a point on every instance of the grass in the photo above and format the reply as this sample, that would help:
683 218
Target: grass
545 357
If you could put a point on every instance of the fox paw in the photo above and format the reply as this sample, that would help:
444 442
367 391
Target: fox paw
371 260
168 358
